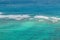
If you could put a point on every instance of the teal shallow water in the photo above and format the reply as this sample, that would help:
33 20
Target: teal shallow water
29 30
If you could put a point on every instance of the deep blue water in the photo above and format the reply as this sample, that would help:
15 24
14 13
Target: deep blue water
30 6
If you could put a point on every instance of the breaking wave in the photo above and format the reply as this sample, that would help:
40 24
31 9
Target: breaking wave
29 17
20 17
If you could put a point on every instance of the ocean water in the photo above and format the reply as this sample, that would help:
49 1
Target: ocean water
29 19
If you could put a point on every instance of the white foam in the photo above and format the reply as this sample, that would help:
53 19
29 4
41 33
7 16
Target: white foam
20 17
54 19
44 17
17 17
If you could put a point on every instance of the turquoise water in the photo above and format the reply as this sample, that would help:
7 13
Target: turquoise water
29 30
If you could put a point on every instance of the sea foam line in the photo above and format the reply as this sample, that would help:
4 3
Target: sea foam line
20 17
53 19
16 17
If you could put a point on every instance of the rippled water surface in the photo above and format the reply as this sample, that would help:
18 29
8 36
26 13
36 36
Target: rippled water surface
29 19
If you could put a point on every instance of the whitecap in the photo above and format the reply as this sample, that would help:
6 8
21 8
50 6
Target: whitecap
20 17
17 17
44 17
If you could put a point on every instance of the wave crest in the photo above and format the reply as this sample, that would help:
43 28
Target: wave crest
20 17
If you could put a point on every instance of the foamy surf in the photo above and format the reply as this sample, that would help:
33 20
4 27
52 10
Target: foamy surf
29 17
